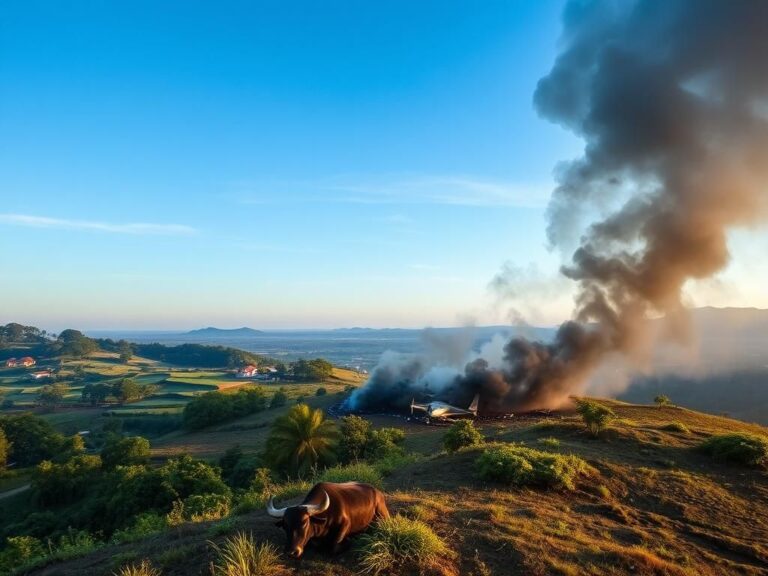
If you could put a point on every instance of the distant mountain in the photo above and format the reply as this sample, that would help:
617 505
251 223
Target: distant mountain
212 332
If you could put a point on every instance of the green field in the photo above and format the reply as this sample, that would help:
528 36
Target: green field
175 387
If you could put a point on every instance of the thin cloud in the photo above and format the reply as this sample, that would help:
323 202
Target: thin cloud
137 228
447 190
411 190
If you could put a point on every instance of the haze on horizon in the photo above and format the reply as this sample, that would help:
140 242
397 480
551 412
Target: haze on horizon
287 166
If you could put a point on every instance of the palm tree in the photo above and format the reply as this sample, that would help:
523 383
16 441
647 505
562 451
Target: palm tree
302 439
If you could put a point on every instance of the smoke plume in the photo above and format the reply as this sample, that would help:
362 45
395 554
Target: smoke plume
671 100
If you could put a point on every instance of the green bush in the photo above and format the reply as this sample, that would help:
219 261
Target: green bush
321 391
596 416
383 443
461 434
398 542
125 451
20 550
241 556
676 427
144 525
521 466
388 464
280 398
740 448
359 472
353 438
199 508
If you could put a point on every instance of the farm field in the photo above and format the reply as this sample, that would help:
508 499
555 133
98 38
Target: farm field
175 386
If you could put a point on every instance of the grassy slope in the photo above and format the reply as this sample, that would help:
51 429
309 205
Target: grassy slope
656 507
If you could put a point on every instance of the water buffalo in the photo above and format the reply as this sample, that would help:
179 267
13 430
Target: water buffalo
329 513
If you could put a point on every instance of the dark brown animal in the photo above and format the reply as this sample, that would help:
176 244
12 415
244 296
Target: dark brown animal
329 513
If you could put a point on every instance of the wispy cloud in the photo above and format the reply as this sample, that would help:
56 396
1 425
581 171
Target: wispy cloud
448 190
136 228
403 190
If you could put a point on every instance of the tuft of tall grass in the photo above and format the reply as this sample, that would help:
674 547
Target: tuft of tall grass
239 555
143 568
549 442
357 472
399 542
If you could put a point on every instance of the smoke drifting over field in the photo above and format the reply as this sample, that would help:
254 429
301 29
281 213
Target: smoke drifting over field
671 99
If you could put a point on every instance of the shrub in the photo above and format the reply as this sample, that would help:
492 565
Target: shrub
20 550
740 448
353 438
241 556
143 568
397 543
596 416
520 466
549 442
360 472
676 427
125 451
662 400
144 525
199 508
383 443
392 462
460 434
321 391
280 398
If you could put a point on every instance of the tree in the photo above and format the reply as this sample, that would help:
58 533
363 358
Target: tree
662 400
595 416
353 438
57 484
301 440
96 393
74 343
5 449
127 389
125 451
52 395
317 369
125 350
461 434
32 439
280 398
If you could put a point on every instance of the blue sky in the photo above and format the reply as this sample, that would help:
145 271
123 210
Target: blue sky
277 164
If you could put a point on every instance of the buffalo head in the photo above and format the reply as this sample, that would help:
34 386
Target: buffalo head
300 523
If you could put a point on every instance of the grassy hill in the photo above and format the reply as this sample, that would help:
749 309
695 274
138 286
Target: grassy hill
652 505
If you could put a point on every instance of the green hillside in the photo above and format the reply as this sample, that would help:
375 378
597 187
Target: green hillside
649 501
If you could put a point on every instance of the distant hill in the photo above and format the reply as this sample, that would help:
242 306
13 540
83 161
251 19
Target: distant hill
212 332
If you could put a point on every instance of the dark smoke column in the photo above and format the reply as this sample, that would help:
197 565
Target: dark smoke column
671 100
